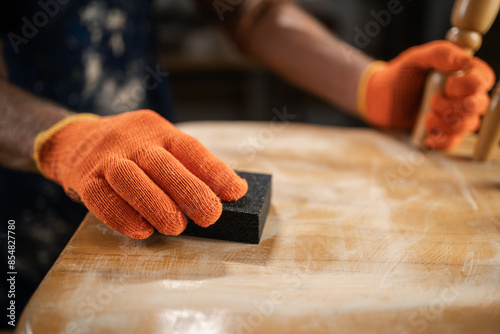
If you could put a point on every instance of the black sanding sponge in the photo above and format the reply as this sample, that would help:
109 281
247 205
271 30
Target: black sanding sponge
242 220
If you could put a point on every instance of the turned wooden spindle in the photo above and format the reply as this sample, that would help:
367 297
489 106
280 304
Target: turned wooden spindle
489 135
470 20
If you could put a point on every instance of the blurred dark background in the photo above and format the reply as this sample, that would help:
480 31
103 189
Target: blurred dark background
210 79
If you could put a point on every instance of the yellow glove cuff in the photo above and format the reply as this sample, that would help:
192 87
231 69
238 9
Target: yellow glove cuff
43 136
363 86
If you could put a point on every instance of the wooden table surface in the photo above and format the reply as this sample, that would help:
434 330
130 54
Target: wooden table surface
365 234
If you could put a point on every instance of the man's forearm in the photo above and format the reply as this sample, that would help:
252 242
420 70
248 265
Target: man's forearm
23 116
296 46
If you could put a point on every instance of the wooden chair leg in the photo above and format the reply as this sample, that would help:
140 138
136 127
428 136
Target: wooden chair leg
489 135
470 20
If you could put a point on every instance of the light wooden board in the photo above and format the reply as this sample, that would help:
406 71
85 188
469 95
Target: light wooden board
365 234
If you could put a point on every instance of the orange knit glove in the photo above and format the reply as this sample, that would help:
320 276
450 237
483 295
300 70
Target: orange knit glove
390 94
136 171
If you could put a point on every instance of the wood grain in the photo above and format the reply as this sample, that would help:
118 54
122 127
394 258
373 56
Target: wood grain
365 234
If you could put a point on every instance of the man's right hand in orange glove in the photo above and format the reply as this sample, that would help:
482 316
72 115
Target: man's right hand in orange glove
136 172
390 94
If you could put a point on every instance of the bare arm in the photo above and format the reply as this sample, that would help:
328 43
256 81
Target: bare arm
23 116
297 47
294 45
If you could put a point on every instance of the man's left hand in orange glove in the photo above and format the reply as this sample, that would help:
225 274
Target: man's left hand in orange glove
390 93
386 95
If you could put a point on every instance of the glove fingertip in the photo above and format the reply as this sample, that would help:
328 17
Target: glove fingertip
210 214
450 57
235 189
175 224
486 73
142 232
